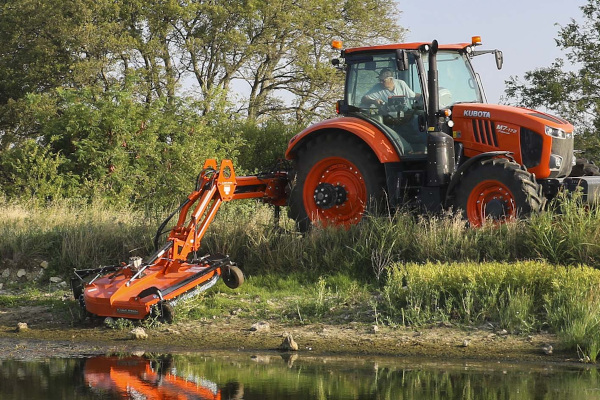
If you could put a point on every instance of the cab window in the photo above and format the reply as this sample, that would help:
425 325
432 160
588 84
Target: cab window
393 98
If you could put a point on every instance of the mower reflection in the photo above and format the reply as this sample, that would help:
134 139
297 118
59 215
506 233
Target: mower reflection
134 377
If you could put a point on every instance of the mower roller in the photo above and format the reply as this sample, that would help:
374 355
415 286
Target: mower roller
138 289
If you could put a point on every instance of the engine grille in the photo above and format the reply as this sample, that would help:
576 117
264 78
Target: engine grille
531 148
484 132
563 148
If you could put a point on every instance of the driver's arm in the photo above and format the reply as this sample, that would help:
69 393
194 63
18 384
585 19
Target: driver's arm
368 100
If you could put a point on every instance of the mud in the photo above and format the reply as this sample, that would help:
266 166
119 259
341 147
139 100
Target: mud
52 334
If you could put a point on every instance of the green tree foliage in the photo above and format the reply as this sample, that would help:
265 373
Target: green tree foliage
571 88
264 145
274 45
92 100
32 171
110 145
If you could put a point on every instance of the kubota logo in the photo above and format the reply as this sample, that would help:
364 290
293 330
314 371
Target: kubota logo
477 114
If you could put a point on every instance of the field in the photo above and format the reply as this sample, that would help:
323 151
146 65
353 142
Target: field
395 272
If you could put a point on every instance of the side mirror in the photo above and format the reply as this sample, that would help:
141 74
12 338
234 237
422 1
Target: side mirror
401 60
499 58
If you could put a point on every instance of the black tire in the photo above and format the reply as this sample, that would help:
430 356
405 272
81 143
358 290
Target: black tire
339 164
584 167
167 312
232 276
499 189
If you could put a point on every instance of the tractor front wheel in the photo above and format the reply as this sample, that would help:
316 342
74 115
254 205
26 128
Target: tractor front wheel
497 189
337 180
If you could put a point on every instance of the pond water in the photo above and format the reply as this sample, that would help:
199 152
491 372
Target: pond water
269 376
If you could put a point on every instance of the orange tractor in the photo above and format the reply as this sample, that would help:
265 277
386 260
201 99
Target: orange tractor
413 130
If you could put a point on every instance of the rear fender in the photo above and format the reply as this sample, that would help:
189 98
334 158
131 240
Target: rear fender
467 164
378 142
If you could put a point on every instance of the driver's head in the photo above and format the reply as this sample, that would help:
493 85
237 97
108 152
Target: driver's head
386 77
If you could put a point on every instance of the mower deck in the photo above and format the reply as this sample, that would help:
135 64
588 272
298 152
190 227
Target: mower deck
129 292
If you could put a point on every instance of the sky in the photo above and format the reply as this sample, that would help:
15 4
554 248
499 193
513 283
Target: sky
524 30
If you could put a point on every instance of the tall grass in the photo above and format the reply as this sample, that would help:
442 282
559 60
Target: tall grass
569 234
520 297
71 236
429 268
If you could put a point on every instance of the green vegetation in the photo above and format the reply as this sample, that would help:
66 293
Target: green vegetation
397 270
121 102
98 139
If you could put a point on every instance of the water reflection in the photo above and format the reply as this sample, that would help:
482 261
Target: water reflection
146 378
268 376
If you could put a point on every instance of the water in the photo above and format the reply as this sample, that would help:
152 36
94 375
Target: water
281 376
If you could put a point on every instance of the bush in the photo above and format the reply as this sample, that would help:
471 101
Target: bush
521 297
263 145
113 146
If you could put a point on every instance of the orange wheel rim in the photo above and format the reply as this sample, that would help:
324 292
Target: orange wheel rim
490 199
339 173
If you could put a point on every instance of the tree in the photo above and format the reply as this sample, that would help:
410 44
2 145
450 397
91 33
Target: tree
572 90
291 50
276 46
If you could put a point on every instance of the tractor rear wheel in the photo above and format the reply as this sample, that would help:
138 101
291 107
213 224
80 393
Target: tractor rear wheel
584 167
499 190
337 180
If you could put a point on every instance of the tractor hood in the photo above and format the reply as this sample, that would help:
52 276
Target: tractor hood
523 117
540 141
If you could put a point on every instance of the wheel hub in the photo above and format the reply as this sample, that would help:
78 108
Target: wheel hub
326 195
495 209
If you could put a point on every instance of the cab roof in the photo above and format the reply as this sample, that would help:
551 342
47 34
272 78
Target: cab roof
406 46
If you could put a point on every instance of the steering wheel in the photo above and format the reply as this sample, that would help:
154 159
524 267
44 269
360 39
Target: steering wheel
398 109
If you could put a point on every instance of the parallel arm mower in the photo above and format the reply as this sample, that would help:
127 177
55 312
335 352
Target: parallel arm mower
137 289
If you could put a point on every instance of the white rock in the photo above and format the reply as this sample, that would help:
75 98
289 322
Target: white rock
260 327
6 273
21 273
138 333
44 264
55 279
22 327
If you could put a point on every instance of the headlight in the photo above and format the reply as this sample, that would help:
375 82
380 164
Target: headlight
555 132
555 161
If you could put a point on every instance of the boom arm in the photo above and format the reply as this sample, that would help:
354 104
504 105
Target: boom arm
215 187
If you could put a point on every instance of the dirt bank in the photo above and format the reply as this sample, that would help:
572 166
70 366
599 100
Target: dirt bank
57 334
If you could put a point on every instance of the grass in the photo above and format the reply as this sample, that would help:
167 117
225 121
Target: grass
522 276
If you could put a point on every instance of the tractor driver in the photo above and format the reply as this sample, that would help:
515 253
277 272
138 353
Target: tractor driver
387 87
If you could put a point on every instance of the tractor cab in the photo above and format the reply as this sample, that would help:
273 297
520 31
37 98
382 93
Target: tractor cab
388 86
